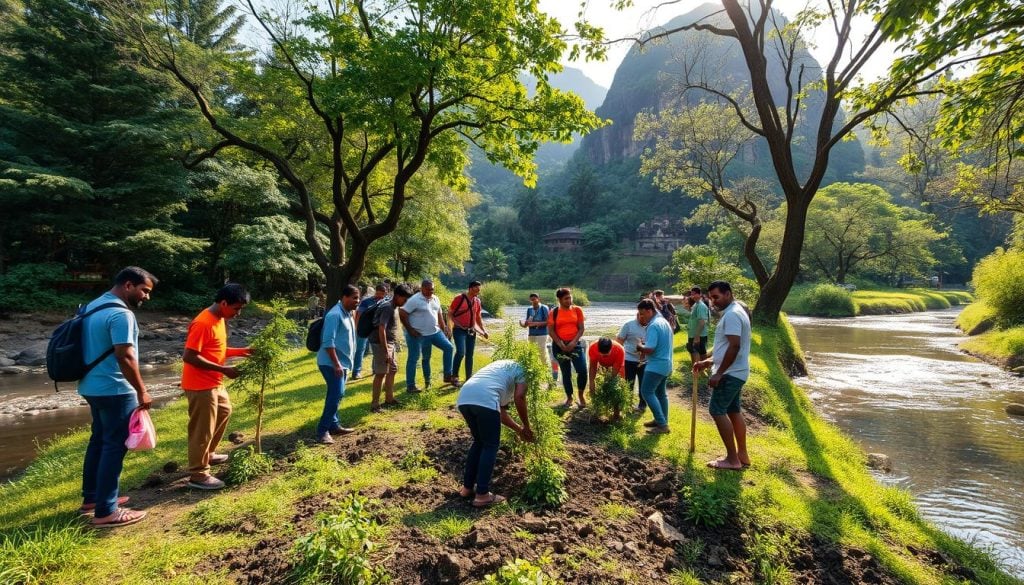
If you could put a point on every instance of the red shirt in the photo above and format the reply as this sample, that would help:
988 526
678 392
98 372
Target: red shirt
614 359
465 311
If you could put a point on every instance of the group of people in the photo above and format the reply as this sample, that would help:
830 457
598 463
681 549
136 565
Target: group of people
642 352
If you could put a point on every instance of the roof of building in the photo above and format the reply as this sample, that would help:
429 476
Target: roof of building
566 232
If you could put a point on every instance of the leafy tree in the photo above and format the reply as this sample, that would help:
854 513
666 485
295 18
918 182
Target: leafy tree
350 107
269 254
492 265
597 242
701 265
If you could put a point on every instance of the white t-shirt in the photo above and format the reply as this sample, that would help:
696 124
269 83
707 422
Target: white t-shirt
423 313
492 386
631 333
734 321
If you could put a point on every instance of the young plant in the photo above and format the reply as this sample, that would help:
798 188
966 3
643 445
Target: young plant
266 361
521 572
246 464
339 550
611 394
706 506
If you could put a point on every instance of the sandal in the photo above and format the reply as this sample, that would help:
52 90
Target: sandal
466 495
375 408
490 501
120 517
86 508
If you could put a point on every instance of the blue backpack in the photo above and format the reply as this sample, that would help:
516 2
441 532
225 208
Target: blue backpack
65 352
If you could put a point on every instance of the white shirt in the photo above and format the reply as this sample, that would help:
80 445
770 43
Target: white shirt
631 333
734 321
492 386
423 313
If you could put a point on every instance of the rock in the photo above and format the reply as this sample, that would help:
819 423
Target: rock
34 355
6 361
715 554
236 437
533 524
616 546
1018 370
450 568
660 484
585 530
171 466
632 549
880 461
662 532
1015 409
560 547
479 537
13 370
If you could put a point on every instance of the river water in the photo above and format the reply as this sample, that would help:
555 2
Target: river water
898 385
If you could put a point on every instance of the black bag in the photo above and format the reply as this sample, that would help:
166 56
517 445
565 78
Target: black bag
365 326
316 329
65 353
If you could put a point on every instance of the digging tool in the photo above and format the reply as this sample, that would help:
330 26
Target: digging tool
693 412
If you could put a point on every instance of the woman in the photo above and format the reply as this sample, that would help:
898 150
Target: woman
565 327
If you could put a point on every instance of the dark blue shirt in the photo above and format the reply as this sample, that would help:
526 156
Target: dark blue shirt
538 314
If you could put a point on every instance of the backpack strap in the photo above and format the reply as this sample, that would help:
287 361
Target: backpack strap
89 366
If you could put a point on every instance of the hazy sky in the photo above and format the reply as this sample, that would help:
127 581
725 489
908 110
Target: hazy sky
643 16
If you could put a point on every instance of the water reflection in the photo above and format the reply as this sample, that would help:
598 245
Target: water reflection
898 385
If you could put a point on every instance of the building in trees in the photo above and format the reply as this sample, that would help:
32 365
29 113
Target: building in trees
567 239
658 235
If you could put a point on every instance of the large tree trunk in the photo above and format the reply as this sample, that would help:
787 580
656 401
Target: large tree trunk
775 291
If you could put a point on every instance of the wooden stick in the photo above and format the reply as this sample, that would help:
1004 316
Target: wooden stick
693 412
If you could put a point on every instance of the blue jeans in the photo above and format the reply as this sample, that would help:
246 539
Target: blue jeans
335 392
652 388
104 457
412 345
485 426
465 344
427 344
578 360
357 359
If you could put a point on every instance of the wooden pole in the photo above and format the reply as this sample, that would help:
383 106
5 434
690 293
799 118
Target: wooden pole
693 412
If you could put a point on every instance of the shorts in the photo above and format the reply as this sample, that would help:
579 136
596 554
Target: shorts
700 349
725 398
382 363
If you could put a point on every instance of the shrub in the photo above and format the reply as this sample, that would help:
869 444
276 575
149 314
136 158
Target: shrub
545 482
338 551
829 300
611 393
31 287
706 506
495 295
521 572
246 465
999 281
580 297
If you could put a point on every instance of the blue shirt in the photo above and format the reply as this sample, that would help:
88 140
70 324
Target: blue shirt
538 314
340 333
492 386
660 339
101 331
367 303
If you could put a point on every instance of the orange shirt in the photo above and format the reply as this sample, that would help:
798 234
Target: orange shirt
615 359
566 326
208 336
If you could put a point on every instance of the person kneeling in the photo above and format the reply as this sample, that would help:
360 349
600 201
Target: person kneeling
483 401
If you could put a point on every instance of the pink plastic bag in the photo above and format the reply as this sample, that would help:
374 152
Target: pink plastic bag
141 433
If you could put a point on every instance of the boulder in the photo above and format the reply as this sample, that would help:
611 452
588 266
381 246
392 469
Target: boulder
34 355
661 531
880 461
1015 409
6 361
13 370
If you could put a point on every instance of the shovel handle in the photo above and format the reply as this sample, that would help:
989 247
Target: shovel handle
693 414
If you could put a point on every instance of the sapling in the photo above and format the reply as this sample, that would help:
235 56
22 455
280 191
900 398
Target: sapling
611 394
266 361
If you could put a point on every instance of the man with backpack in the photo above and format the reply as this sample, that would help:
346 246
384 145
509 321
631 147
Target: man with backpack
337 346
361 338
466 323
384 318
114 388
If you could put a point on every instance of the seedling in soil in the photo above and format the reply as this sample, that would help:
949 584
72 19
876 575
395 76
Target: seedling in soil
519 572
339 550
611 394
246 464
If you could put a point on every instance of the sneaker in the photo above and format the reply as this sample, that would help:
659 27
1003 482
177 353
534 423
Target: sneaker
207 483
325 439
218 458
341 431
355 376
659 430
651 424
414 389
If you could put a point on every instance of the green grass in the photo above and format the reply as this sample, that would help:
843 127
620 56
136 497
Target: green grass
976 318
1005 346
880 301
444 526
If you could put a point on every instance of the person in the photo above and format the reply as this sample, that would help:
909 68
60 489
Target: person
113 389
667 310
313 306
380 292
697 326
565 327
657 347
631 334
337 347
209 406
425 328
730 360
606 355
483 402
465 312
537 333
382 346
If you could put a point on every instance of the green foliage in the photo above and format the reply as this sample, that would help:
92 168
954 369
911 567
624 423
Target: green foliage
825 300
444 526
27 556
246 464
976 318
999 282
521 572
493 264
611 394
270 254
495 295
702 265
339 550
705 505
545 482
414 459
32 287
580 297
598 242
770 554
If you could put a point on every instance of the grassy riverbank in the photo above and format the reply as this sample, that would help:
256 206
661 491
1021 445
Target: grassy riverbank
1001 346
807 510
832 301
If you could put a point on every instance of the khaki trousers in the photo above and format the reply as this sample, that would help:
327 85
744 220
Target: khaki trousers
541 341
208 413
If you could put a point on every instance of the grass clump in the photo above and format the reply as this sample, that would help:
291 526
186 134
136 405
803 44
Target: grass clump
615 511
976 318
339 550
829 300
522 572
706 505
610 394
246 464
495 295
999 280
444 526
770 555
27 556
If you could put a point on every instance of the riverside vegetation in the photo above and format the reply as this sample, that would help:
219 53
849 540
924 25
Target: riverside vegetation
806 511
829 300
996 322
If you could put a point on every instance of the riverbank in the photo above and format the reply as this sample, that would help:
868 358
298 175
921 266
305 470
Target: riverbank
807 510
1003 347
832 301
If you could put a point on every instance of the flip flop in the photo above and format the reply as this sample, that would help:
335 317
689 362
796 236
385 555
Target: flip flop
86 508
723 464
494 499
122 517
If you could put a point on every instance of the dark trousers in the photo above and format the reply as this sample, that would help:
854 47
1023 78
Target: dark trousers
579 361
635 371
485 426
465 344
104 456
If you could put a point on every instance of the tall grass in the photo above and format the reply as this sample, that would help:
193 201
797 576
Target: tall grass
495 295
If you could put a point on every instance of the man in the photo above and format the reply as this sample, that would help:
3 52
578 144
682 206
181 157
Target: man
606 355
466 323
730 358
666 309
425 327
697 327
537 322
380 292
382 344
632 334
483 402
113 388
337 345
209 406
657 347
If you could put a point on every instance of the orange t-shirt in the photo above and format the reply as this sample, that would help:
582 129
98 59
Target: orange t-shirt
616 358
568 321
207 336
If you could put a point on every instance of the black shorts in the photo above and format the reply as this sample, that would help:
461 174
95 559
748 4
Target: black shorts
700 349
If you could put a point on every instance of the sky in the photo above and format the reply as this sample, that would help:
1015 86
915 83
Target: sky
644 15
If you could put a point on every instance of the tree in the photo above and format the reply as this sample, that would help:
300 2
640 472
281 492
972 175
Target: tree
493 265
597 242
701 265
207 23
351 99
268 253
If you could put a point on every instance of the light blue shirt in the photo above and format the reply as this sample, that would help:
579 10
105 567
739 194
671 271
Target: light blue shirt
631 333
340 333
734 321
101 331
492 386
659 338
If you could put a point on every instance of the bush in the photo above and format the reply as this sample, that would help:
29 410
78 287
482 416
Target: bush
521 572
246 465
338 551
706 506
611 393
545 482
580 297
824 300
495 295
32 287
999 281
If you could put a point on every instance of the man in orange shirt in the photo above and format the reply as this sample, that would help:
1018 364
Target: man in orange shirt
209 407
609 355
